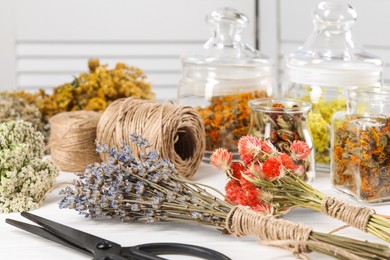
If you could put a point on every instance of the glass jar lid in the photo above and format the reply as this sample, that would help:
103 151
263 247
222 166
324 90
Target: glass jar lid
225 47
330 56
225 65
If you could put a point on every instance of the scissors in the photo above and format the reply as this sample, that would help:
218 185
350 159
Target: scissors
103 249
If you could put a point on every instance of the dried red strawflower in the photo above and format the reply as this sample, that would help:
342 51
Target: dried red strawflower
272 168
299 150
221 159
287 161
236 169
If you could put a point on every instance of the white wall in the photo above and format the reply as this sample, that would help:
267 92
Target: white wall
44 43
294 24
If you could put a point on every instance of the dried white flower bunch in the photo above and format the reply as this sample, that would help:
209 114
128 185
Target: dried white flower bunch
24 176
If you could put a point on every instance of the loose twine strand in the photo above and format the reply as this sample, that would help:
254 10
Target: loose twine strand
355 216
176 131
242 221
72 140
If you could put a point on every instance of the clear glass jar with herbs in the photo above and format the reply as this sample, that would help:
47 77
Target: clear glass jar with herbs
282 122
360 159
328 61
221 78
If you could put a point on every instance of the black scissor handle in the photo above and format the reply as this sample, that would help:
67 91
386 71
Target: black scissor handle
152 250
110 257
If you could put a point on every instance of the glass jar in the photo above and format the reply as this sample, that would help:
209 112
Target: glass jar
328 61
221 79
361 145
283 121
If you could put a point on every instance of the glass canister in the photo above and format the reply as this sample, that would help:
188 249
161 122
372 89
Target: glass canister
283 121
221 79
360 164
328 61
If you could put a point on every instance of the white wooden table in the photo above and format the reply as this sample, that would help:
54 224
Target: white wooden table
18 244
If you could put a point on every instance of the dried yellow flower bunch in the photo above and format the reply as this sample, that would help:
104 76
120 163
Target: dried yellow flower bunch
97 89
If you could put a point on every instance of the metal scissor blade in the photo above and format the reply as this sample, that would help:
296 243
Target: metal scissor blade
95 245
45 234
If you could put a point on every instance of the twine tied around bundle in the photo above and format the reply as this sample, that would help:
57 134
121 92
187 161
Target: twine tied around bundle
243 221
176 131
355 216
72 140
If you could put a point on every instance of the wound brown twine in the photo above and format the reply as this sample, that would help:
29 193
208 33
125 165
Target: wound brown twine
72 140
355 216
176 131
243 221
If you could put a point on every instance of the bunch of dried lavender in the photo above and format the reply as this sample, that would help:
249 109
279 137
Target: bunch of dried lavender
148 189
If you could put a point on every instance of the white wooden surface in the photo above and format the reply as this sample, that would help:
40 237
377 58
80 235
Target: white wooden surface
18 244
45 43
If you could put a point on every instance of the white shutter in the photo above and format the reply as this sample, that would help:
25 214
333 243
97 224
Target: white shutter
294 24
51 40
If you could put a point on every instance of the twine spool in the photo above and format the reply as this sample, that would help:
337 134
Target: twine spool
176 131
72 140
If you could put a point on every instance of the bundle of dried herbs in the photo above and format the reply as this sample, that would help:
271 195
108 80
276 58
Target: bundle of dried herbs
361 157
21 105
89 91
97 89
148 189
24 176
226 119
268 180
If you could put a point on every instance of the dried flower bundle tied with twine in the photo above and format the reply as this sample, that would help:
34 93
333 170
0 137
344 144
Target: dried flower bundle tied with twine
148 189
279 188
25 177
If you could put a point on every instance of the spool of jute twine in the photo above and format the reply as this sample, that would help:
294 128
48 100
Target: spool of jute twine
72 140
176 131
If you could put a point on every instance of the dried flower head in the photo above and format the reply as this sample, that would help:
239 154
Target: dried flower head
299 150
251 148
272 168
221 159
287 162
